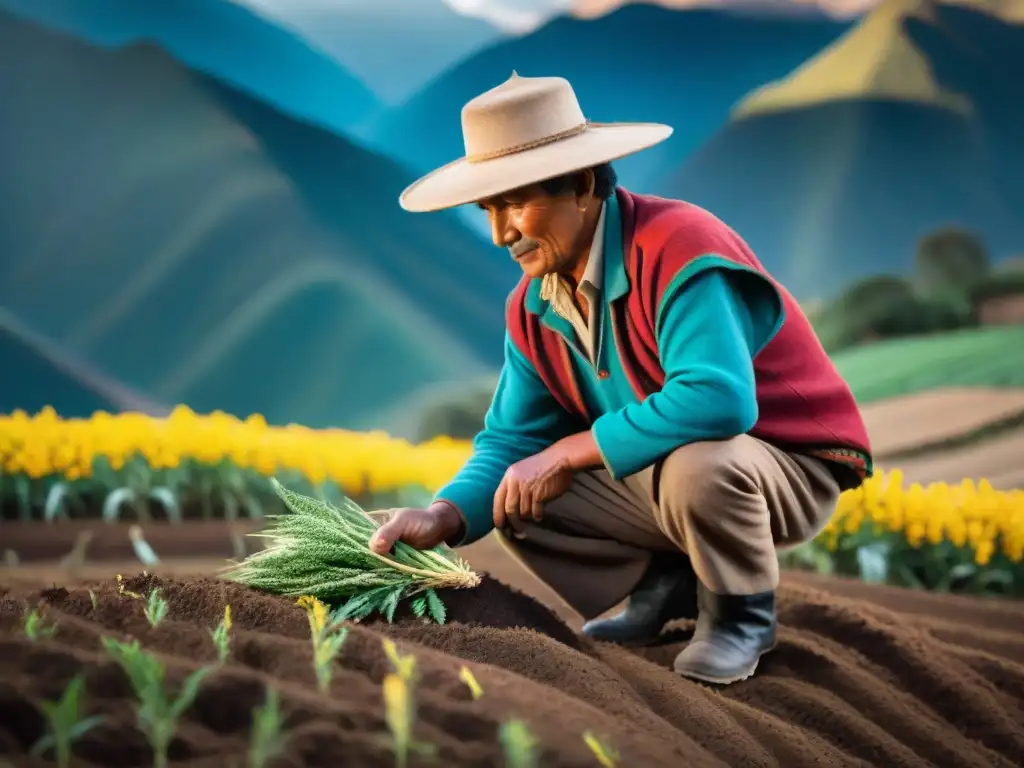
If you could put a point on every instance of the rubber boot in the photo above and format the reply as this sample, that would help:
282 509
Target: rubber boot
733 631
667 591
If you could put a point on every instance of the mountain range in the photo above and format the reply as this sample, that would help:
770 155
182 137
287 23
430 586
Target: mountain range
362 37
907 123
201 246
640 63
224 39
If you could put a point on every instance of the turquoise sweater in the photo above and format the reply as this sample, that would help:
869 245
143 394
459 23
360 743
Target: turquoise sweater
710 331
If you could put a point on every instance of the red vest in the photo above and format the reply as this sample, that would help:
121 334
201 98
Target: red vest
804 405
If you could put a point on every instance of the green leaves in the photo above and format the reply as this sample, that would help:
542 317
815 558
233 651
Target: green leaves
35 626
64 726
156 608
267 741
323 550
158 714
518 744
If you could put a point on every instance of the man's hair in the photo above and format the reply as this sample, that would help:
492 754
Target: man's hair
605 180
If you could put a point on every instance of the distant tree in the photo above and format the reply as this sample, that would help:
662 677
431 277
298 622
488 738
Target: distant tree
880 307
949 262
998 284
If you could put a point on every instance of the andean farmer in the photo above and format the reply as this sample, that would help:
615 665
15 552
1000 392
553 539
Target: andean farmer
665 417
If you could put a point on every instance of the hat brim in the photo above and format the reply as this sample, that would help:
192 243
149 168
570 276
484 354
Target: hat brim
462 182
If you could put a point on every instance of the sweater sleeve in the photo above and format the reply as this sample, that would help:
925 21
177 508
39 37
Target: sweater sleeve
523 419
711 325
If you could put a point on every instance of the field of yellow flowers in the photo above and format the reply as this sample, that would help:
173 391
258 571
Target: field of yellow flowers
967 537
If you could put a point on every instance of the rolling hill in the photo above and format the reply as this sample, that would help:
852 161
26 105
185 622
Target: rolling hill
225 39
203 247
905 124
640 63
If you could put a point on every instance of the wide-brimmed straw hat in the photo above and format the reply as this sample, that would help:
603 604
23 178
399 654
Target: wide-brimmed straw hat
523 131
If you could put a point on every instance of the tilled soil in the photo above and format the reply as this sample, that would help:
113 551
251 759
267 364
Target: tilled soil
851 682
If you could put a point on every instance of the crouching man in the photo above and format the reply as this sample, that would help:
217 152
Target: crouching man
665 417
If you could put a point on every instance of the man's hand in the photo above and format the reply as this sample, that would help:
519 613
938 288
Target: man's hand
529 483
419 528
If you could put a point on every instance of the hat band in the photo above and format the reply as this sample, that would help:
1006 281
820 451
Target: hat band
480 157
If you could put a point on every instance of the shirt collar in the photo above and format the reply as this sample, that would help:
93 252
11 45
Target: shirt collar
593 274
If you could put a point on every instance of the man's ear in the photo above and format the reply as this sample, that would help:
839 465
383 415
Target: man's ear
585 189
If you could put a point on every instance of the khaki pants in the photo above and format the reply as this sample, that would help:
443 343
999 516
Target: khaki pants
728 504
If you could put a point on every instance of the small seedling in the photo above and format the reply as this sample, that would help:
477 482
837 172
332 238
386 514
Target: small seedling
267 737
122 590
222 636
405 666
36 628
518 745
65 727
603 751
400 715
156 608
92 599
157 714
327 639
466 675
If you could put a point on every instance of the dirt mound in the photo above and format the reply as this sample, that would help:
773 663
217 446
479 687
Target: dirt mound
851 683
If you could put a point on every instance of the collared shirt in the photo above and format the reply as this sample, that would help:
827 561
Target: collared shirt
712 326
556 289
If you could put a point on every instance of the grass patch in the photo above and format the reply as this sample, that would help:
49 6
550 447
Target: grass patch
977 357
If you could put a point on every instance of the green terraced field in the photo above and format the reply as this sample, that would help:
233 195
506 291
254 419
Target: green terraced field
985 357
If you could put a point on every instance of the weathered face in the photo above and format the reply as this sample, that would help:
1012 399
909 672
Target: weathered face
542 232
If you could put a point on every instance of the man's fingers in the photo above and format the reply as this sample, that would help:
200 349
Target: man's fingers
384 539
512 496
498 511
537 508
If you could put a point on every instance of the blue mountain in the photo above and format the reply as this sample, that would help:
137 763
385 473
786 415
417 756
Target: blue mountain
200 246
365 36
224 39
639 63
829 188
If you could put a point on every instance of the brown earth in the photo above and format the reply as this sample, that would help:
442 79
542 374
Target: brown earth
909 422
862 676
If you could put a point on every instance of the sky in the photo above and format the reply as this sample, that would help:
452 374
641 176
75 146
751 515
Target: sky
436 34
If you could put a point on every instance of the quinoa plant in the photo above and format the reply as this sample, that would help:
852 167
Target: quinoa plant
400 715
36 627
65 727
222 636
327 638
268 738
518 744
158 714
606 755
466 675
156 608
323 551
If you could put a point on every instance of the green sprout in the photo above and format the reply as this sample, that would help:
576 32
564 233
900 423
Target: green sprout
267 735
36 628
603 751
157 714
222 636
65 728
327 639
156 608
518 744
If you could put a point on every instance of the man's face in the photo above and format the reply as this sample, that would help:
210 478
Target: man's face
542 232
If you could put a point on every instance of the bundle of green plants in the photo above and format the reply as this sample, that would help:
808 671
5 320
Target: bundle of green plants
323 550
